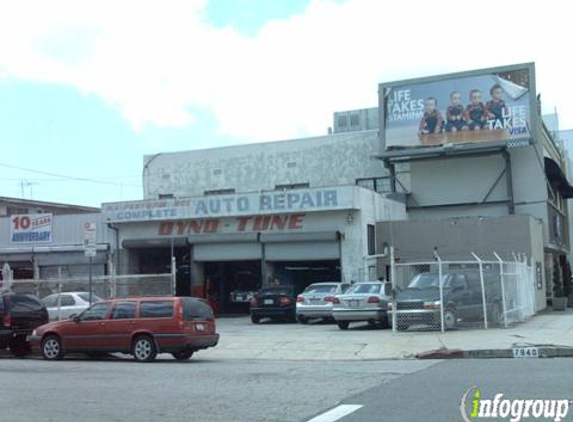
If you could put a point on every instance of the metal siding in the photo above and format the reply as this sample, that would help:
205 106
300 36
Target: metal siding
227 252
301 251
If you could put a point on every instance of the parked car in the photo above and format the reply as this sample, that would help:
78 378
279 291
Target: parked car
142 327
316 300
419 303
71 303
277 302
19 315
367 301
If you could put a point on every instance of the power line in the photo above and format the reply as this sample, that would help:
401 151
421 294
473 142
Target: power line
63 176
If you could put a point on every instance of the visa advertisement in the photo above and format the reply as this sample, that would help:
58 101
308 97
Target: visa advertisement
493 106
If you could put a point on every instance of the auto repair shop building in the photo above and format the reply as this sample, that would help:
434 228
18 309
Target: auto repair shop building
237 218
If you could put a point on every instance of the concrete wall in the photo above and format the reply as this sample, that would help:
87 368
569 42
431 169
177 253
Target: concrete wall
355 120
456 238
333 160
468 180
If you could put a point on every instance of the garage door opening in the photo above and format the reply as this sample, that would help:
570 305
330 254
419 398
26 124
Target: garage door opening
158 261
231 285
301 274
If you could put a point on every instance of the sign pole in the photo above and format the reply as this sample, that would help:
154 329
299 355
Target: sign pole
90 281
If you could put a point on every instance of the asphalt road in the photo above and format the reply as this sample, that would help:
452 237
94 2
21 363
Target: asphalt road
271 391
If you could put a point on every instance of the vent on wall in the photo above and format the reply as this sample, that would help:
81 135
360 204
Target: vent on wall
291 164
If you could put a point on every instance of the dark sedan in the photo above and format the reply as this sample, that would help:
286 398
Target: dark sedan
277 303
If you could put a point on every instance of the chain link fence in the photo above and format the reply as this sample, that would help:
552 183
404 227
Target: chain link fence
448 295
105 287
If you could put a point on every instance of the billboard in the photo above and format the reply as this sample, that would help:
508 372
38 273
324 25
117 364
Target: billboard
471 107
31 228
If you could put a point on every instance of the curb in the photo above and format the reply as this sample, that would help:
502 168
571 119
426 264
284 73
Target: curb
545 352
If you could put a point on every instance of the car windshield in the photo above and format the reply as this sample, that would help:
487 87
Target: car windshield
429 281
277 291
86 297
321 288
365 288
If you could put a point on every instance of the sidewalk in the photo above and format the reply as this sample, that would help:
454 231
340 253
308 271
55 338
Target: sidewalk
240 339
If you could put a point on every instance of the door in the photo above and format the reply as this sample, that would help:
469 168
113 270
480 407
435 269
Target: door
87 333
119 327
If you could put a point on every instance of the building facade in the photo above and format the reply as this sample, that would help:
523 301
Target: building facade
238 218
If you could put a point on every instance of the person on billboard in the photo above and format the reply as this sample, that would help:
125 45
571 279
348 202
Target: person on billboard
476 113
432 120
455 114
496 109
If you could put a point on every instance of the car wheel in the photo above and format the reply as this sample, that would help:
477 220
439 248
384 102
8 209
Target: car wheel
52 348
182 354
19 347
255 319
302 319
496 314
144 349
450 319
343 325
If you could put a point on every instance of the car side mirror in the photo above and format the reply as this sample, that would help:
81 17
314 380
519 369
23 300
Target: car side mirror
76 318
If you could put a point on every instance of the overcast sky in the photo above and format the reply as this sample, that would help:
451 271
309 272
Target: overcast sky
88 87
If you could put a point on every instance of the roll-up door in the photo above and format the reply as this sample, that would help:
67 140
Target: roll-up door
301 246
229 247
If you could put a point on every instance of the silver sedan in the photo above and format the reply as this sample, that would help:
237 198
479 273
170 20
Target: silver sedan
316 300
363 302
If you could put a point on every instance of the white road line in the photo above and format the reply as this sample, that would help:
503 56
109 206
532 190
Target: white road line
337 413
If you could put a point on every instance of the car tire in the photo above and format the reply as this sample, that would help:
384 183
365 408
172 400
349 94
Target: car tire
52 348
255 319
302 319
143 349
19 347
450 319
343 325
183 354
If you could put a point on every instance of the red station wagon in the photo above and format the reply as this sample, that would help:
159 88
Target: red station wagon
142 327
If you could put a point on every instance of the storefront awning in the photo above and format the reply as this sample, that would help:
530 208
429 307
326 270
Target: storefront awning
557 178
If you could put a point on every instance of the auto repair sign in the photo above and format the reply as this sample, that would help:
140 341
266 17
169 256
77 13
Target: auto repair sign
31 228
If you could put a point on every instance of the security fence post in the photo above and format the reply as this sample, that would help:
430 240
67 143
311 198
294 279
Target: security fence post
173 276
59 292
483 297
502 281
441 286
393 280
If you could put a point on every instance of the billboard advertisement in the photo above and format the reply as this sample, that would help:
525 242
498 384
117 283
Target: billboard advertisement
31 228
473 107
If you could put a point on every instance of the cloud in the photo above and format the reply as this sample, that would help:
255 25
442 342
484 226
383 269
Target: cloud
156 61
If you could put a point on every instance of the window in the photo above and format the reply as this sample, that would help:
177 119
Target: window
156 309
219 192
377 184
66 300
50 301
25 303
123 310
364 288
86 297
292 186
354 120
96 312
196 310
371 238
342 121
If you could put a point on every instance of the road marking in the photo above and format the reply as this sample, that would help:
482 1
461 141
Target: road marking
337 413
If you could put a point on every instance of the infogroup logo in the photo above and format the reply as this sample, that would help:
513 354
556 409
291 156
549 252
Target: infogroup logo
474 407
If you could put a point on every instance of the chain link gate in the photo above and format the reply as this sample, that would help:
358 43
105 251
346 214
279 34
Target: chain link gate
448 295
